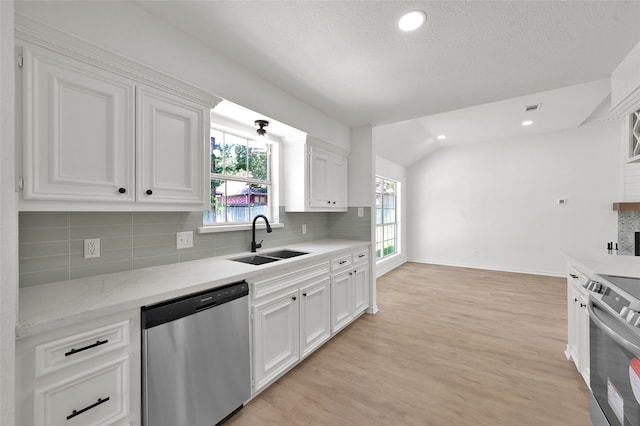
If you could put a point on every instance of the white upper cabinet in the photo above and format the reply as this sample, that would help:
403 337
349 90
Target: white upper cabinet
104 134
170 149
316 177
78 131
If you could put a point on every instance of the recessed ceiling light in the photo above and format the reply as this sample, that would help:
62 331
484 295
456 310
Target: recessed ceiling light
527 123
412 21
442 137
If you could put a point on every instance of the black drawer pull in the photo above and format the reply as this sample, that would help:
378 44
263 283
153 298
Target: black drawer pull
95 404
342 262
361 255
97 343
573 276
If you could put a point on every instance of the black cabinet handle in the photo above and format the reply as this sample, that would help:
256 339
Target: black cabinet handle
575 299
97 343
342 262
149 192
334 202
573 276
122 190
582 305
95 404
293 298
362 255
304 294
328 202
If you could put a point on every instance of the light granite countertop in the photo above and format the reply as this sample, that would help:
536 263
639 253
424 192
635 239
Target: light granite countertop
596 263
49 306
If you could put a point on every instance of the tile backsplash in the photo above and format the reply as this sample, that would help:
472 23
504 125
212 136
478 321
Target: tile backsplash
51 244
628 225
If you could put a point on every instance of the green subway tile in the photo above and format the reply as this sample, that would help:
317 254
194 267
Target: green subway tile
43 249
78 260
155 228
108 231
43 277
154 240
43 220
41 235
36 264
154 251
106 244
155 261
100 219
99 269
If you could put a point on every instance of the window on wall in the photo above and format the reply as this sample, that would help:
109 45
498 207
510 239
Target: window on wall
386 217
240 179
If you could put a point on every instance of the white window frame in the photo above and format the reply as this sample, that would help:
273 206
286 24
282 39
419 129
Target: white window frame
271 183
396 221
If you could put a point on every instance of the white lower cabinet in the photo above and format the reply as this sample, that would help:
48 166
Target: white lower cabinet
275 337
578 322
315 309
349 288
80 375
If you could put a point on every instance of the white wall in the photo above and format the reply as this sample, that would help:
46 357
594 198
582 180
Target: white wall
391 170
493 205
361 168
130 31
8 218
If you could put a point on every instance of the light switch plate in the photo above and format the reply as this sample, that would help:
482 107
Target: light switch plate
360 212
184 239
91 248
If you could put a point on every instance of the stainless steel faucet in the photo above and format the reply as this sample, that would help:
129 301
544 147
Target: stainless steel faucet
255 245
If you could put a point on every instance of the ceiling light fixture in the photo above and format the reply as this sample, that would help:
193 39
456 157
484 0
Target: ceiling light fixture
527 123
441 137
412 21
262 133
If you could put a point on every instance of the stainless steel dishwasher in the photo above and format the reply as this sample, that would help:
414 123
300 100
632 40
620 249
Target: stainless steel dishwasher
195 357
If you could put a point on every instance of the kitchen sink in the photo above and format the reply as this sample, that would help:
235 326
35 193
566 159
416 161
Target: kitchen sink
272 256
285 254
255 260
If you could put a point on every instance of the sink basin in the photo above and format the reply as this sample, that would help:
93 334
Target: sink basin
285 254
255 260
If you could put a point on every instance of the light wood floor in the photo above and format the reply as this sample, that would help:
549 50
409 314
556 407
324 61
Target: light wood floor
450 346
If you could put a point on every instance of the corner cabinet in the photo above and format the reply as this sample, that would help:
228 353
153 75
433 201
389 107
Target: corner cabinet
578 322
97 137
316 175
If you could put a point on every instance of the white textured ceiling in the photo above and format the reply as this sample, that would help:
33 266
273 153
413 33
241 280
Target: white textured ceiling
348 59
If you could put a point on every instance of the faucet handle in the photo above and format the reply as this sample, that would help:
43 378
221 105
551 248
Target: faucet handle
259 245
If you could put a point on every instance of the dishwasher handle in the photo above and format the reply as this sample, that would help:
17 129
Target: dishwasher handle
173 309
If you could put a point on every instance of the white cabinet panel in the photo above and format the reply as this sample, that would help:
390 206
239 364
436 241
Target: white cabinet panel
341 300
98 397
78 131
275 337
315 321
170 150
361 288
578 322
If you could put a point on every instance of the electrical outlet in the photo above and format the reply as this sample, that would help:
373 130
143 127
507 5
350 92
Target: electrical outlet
304 228
360 212
184 239
91 248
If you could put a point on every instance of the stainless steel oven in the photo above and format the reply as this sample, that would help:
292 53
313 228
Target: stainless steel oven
614 332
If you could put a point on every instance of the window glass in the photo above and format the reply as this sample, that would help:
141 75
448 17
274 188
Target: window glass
386 217
240 184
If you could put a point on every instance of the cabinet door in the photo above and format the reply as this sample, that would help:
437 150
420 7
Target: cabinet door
171 149
275 338
341 300
582 345
319 178
572 323
78 131
361 288
338 178
315 312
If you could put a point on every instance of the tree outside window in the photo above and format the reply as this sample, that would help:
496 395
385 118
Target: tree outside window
240 184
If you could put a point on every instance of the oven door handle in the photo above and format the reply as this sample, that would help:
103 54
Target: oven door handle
609 331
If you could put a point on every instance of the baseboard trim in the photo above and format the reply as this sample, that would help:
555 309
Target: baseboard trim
373 310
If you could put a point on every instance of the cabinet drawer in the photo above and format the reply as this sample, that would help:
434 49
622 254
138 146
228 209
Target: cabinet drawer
341 262
277 283
361 256
577 278
70 350
97 397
